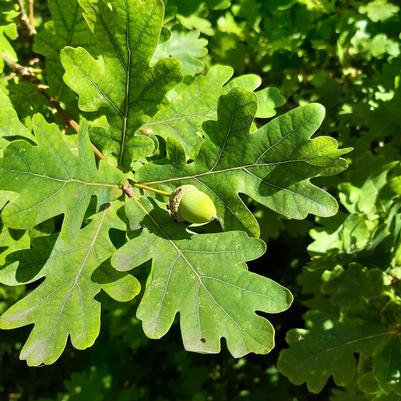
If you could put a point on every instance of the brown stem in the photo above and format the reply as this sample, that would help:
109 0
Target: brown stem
26 72
69 121
129 190
29 74
29 26
32 13
97 152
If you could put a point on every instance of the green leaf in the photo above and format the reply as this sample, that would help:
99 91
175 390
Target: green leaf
327 349
24 264
28 101
63 305
363 199
50 179
67 28
189 108
379 10
120 84
273 165
387 367
204 278
6 196
11 241
10 125
339 395
186 47
191 22
248 81
8 32
191 105
352 236
356 289
369 220
119 286
268 100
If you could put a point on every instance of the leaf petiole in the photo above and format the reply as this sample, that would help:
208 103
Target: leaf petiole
157 191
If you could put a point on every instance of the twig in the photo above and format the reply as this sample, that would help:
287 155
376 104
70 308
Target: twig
69 121
97 152
129 190
31 11
29 73
30 27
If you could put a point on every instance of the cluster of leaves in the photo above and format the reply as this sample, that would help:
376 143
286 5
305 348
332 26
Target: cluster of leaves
154 132
8 31
353 294
347 56
154 91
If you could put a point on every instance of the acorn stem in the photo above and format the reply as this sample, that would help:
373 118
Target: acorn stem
157 191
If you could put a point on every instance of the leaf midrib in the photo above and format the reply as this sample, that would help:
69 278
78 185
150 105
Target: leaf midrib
75 279
64 181
227 135
127 86
128 75
223 171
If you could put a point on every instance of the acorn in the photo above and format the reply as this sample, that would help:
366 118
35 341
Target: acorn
188 203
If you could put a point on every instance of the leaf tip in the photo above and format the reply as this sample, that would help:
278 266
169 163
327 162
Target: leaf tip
319 108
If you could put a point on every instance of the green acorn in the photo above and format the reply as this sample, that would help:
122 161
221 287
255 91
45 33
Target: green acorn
188 203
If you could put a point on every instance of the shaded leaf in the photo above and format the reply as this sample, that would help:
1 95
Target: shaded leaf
28 101
339 395
63 305
67 28
10 125
190 107
387 367
24 266
327 349
120 286
355 289
11 241
8 32
204 278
